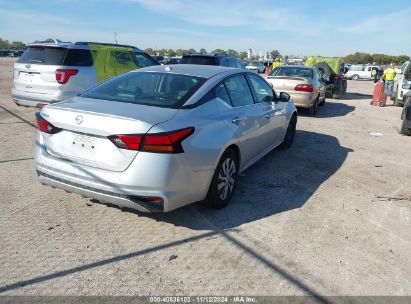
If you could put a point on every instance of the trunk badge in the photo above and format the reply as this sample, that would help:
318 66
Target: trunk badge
79 119
28 66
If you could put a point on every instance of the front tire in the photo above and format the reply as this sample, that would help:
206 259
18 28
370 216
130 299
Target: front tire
224 181
355 77
290 134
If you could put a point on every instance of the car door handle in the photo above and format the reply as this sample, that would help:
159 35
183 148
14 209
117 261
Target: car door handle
236 121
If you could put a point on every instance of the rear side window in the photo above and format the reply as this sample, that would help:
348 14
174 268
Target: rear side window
43 55
224 62
198 60
239 91
144 60
221 92
78 58
153 89
231 63
121 60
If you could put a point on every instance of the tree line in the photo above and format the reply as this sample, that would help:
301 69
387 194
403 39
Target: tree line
14 45
180 52
359 57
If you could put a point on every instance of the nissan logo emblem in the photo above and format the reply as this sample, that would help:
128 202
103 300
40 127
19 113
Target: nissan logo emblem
79 119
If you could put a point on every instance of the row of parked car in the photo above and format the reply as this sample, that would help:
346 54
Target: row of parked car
116 126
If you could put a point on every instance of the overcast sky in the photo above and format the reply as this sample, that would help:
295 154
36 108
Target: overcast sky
316 27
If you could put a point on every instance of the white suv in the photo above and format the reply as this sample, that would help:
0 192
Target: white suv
402 84
52 72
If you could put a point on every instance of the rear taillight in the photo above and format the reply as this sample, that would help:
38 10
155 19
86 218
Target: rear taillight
158 143
63 75
44 126
304 88
336 77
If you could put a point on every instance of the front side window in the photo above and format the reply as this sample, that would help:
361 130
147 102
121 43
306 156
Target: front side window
148 88
262 90
239 91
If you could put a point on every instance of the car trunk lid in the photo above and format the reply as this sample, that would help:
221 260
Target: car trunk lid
283 83
86 123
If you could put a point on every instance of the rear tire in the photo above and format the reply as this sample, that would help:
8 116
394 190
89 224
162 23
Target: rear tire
337 94
404 130
322 103
224 181
355 77
314 108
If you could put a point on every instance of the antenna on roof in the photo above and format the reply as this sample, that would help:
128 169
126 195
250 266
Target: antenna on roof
115 37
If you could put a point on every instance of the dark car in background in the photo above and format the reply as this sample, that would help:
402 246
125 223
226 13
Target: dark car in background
211 59
333 71
406 117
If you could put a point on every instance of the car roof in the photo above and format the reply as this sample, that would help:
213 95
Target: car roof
297 66
79 45
205 71
205 55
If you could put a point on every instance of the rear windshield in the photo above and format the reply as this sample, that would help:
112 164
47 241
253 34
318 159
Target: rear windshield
56 56
198 60
43 55
148 88
292 72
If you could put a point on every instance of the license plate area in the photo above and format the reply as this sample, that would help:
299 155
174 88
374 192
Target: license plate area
83 142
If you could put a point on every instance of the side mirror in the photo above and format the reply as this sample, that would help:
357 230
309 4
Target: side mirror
284 97
345 70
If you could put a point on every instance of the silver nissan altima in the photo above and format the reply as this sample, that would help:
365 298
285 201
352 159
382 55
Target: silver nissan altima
162 137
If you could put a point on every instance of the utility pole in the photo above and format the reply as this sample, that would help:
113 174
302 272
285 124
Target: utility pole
115 37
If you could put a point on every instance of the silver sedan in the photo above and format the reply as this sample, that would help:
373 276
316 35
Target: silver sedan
162 137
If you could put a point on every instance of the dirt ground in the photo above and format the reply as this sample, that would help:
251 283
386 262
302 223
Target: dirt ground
331 216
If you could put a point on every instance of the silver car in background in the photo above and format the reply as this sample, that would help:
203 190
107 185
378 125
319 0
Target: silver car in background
304 84
50 72
162 137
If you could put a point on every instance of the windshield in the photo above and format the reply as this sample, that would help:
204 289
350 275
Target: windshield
203 60
292 72
148 88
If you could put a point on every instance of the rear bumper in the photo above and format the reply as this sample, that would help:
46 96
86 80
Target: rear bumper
125 201
28 99
303 100
149 175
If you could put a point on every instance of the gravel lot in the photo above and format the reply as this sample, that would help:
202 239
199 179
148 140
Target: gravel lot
316 219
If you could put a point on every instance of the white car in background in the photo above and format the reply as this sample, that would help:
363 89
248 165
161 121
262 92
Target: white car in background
256 66
402 84
361 71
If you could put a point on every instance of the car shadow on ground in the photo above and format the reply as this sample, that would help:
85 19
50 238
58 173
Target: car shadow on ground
330 109
283 180
357 96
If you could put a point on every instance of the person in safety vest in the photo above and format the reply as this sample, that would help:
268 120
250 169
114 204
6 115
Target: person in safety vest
389 76
276 63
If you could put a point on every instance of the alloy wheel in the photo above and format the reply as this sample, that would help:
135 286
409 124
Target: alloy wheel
226 179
